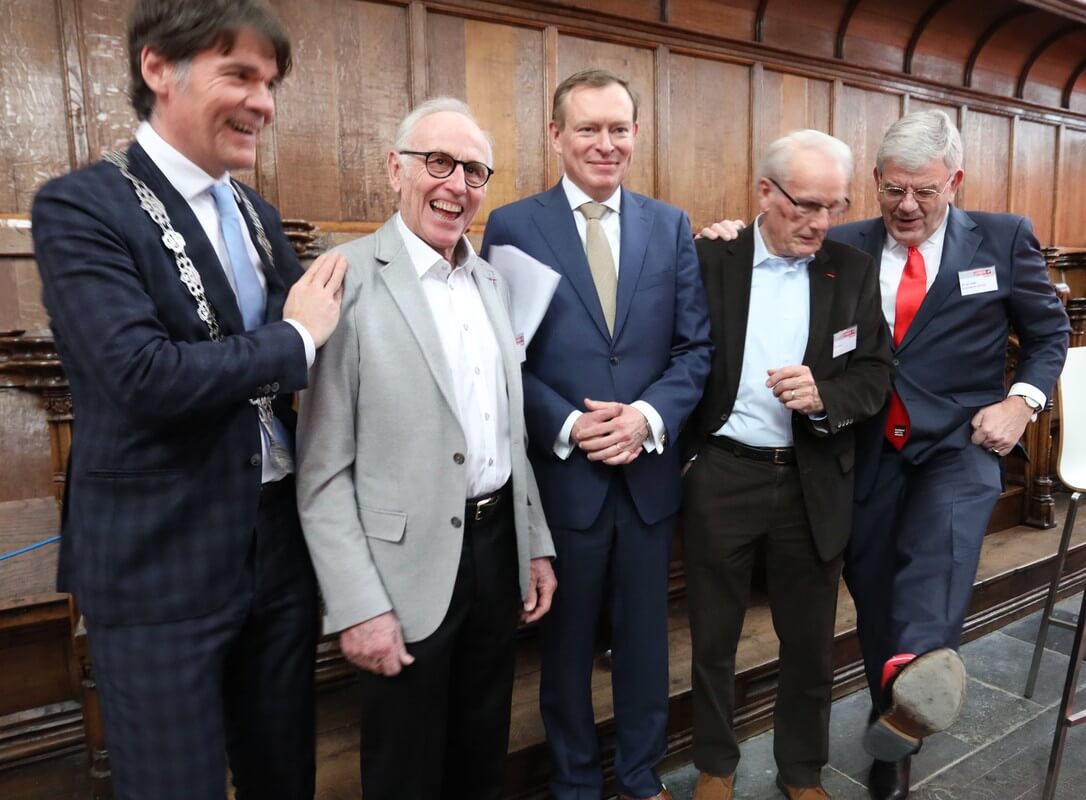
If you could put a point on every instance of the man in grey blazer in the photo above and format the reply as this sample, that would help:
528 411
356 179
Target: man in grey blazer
417 500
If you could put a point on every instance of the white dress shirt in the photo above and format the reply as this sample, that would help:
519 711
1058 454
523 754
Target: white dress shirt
612 228
194 185
891 268
778 322
473 357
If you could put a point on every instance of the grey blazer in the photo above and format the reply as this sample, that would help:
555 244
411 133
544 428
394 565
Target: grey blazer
380 494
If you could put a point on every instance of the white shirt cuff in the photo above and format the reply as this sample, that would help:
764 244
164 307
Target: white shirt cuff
562 445
307 341
1031 392
654 442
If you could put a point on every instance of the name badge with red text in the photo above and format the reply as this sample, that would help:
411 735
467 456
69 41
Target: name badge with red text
844 341
977 281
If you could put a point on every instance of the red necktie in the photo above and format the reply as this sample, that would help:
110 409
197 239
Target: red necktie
910 294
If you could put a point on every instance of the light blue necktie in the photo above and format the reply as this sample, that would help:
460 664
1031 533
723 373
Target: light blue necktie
250 293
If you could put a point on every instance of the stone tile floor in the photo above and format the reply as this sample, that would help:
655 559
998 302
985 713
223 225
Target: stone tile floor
997 750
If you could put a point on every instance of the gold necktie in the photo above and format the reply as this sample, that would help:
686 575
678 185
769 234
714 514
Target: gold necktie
600 260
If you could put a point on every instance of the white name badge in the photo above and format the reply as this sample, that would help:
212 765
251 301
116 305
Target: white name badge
844 341
977 281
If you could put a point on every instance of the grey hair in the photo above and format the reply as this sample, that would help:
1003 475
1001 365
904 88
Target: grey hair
917 139
437 105
777 161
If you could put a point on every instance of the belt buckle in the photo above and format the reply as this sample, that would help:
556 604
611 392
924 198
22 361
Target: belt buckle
780 457
486 502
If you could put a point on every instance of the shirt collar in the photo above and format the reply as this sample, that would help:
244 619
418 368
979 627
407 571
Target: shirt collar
188 179
933 244
425 258
762 254
576 196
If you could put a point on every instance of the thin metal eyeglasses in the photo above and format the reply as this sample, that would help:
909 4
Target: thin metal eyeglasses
809 208
442 165
896 194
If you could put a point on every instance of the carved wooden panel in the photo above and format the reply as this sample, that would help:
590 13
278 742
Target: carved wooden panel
110 119
710 149
1071 211
499 71
636 65
986 142
1035 175
861 116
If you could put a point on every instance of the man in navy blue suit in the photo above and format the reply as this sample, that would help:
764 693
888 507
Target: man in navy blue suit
954 285
614 370
184 324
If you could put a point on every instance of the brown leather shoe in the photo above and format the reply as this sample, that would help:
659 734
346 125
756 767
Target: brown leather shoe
802 792
710 787
663 794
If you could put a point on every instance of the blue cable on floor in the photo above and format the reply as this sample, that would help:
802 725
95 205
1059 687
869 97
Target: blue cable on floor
30 547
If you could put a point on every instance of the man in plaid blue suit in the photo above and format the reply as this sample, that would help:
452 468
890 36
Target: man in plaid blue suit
184 324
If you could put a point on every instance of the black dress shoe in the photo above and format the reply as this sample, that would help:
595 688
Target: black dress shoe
889 780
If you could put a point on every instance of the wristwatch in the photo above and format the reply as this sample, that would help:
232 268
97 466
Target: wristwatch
1034 406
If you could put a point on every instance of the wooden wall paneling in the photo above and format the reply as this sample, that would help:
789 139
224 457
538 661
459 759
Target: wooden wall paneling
986 142
1049 73
809 28
417 49
552 170
72 51
1034 176
923 104
943 49
498 70
710 169
110 119
646 10
20 286
1070 230
637 65
338 111
861 117
733 19
23 523
33 105
662 123
1002 59
789 102
879 33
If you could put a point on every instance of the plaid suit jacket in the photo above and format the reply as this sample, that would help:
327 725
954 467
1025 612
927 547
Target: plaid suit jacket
164 475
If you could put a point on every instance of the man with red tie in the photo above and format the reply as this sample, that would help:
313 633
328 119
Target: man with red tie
954 284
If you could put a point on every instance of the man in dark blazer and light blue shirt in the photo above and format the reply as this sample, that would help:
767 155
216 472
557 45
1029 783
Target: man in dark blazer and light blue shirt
801 355
183 339
614 370
927 467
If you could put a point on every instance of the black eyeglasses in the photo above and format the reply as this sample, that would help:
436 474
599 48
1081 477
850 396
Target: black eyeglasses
896 194
442 165
809 208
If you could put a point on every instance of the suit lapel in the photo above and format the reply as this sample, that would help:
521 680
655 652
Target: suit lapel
738 266
200 250
402 281
959 247
636 228
822 282
557 228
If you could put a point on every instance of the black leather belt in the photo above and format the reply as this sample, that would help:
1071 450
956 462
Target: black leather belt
771 455
481 509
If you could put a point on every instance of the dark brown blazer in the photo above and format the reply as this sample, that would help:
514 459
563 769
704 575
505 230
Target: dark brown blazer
853 386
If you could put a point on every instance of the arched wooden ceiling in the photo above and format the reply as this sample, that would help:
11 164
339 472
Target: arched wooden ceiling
1027 49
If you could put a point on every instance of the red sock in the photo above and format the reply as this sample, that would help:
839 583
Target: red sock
893 666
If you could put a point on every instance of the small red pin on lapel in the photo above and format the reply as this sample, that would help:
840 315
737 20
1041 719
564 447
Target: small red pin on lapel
831 274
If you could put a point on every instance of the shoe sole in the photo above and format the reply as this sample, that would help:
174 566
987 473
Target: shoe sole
926 697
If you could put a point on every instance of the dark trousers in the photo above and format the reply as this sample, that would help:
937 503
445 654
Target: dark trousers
730 504
914 551
180 698
624 562
440 729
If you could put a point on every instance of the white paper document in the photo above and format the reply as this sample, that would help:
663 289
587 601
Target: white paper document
532 284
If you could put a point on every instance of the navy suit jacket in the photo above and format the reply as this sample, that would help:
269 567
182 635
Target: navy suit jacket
659 352
951 361
164 475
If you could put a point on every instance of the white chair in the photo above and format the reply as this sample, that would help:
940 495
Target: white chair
1071 468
